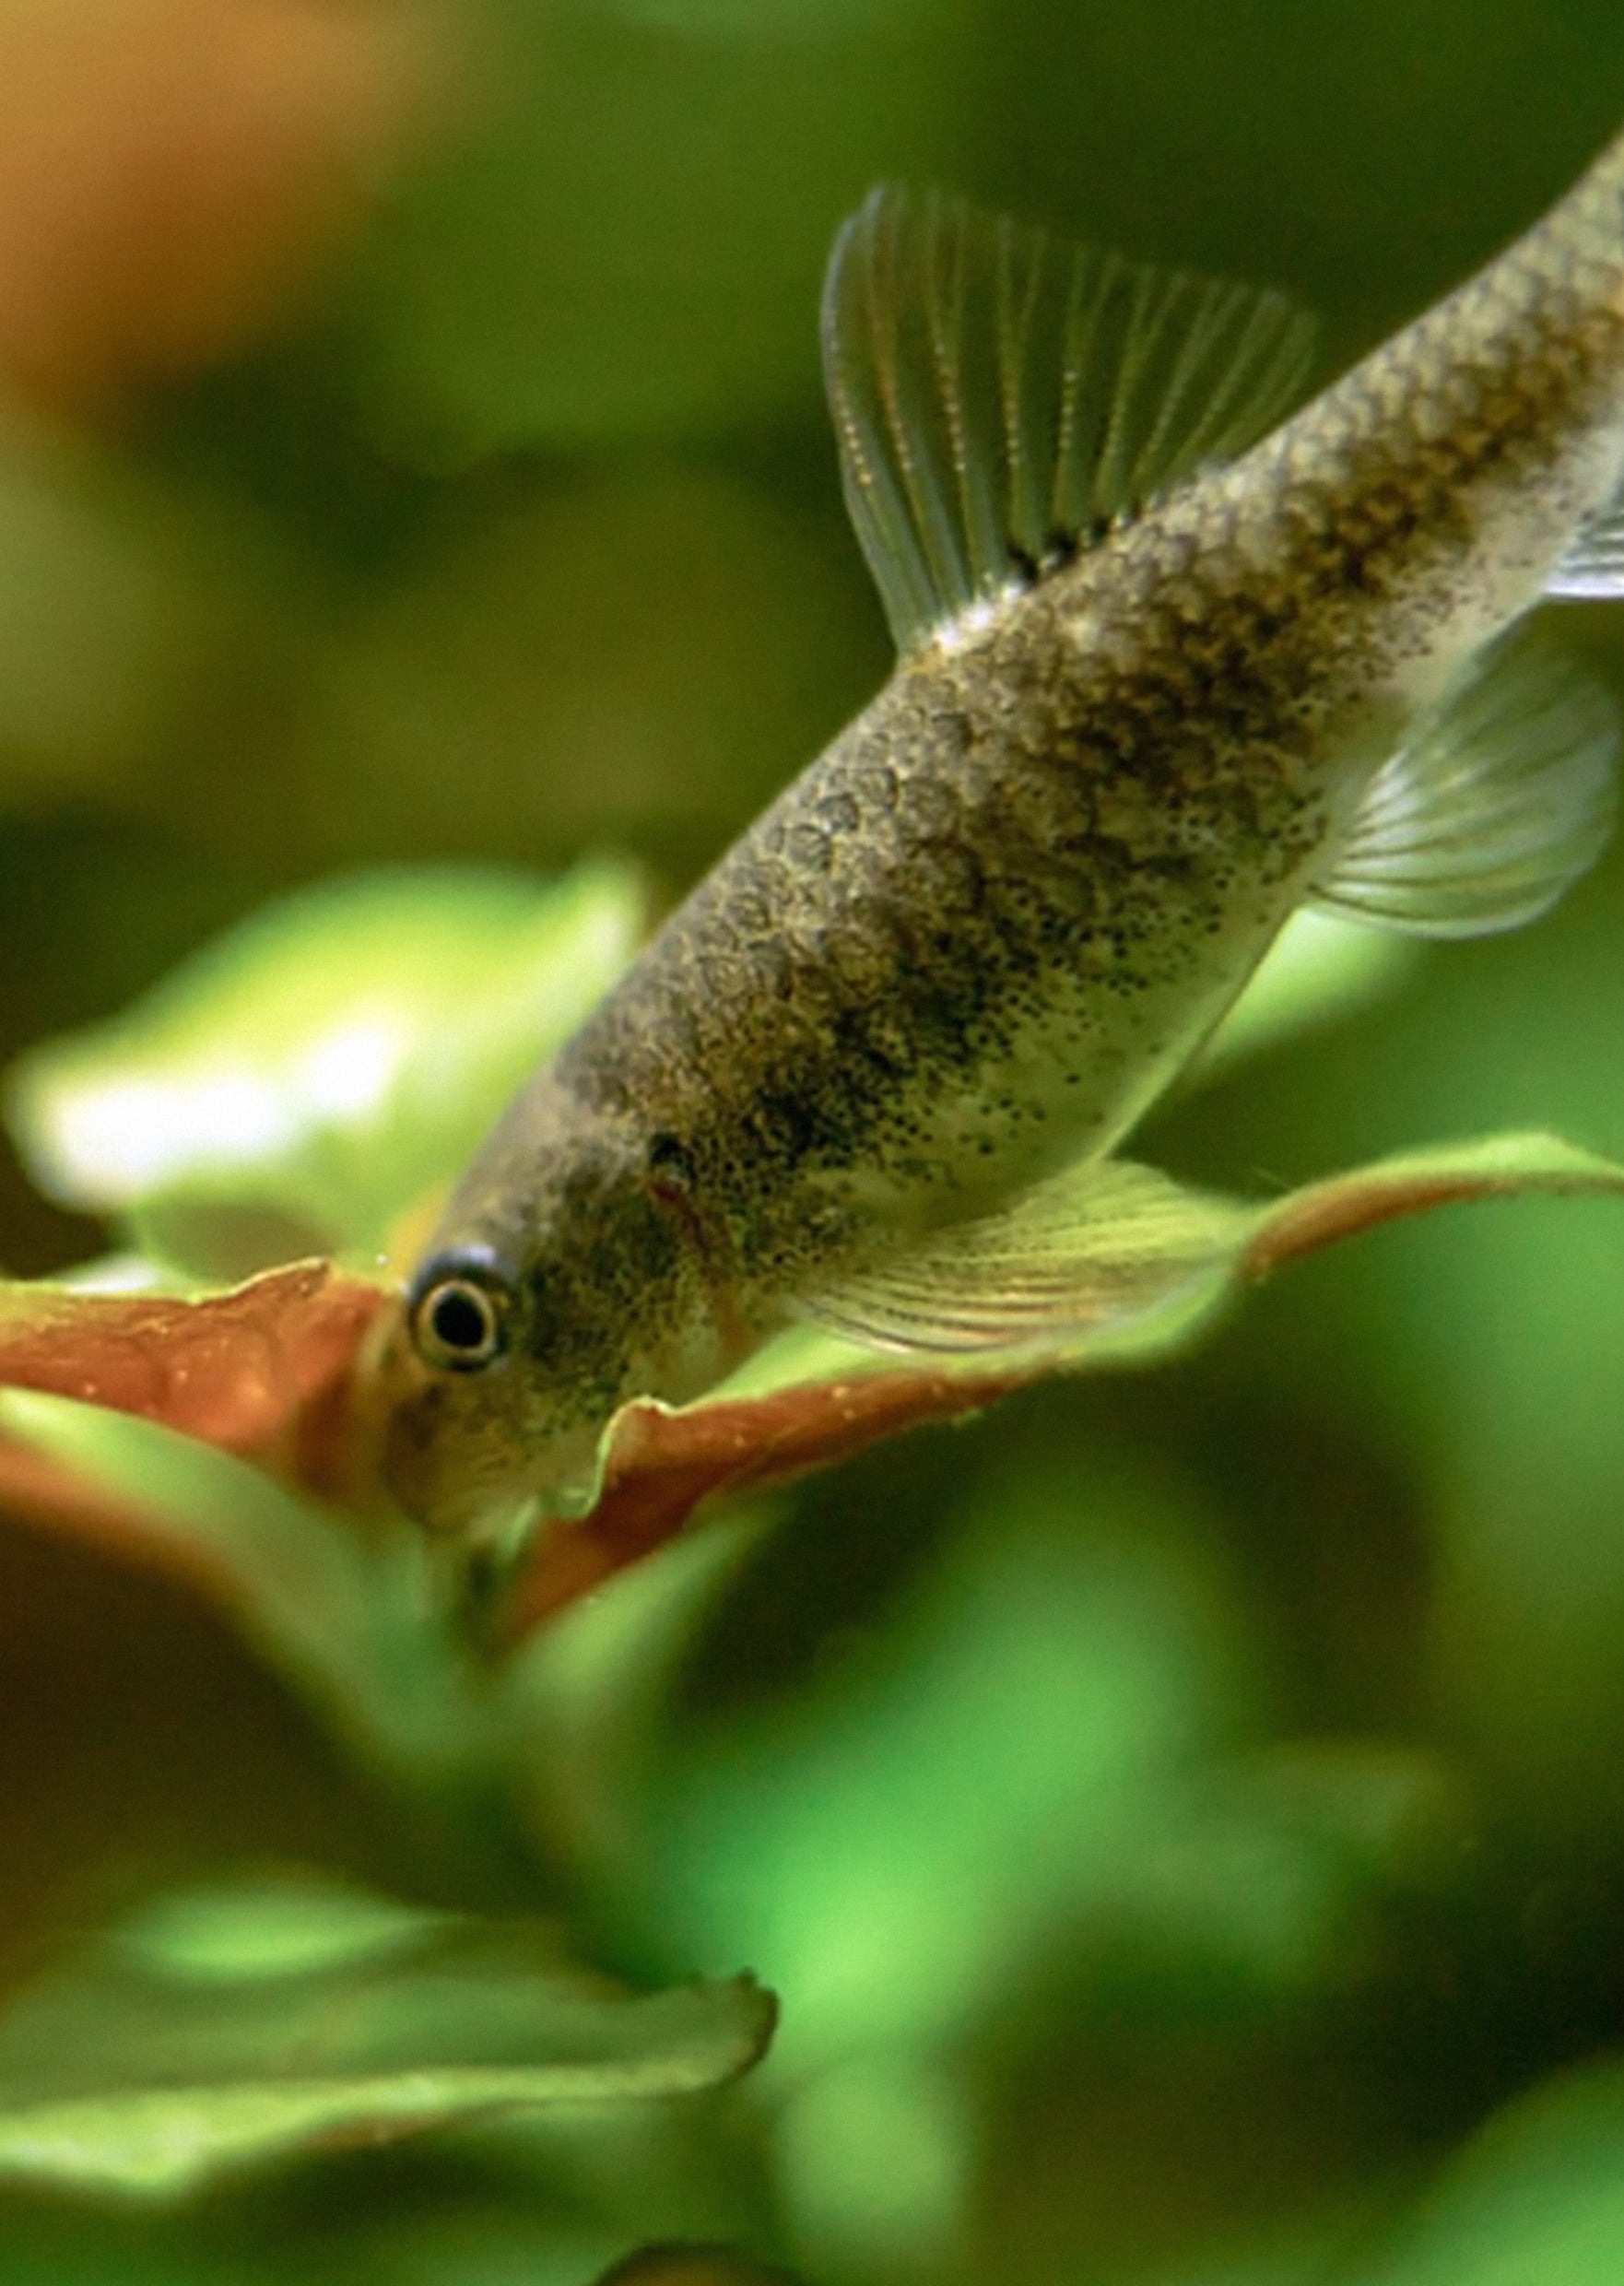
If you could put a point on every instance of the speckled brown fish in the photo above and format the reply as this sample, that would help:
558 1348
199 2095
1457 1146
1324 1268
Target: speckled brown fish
1160 684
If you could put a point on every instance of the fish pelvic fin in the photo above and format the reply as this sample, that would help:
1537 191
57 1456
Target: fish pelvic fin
1102 1244
1002 397
1500 797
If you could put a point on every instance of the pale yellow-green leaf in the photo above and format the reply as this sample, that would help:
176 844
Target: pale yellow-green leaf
154 2060
299 1084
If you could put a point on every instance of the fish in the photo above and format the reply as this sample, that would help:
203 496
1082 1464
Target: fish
1179 654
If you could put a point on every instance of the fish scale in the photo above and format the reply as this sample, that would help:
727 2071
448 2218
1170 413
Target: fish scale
1171 666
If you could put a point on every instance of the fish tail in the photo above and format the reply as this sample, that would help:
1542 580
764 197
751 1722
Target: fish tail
1549 314
1606 174
1601 184
1579 246
1532 347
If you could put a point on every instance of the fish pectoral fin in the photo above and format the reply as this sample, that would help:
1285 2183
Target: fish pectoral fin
1001 395
1102 1244
1496 803
1592 569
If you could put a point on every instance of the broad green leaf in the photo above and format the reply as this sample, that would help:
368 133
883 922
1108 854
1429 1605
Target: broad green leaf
1536 2200
225 2032
354 1615
300 1084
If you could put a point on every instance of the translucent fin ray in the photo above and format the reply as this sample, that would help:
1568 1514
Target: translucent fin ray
1496 803
1592 569
999 394
1102 1244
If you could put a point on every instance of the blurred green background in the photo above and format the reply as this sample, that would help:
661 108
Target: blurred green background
1184 1817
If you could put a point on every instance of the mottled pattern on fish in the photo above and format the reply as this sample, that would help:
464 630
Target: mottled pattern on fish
984 929
1005 884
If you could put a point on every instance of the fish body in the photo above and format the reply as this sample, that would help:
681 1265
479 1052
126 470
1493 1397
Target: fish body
1148 703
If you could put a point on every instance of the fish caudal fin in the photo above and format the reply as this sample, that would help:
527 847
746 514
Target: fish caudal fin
1499 800
1001 396
1102 1244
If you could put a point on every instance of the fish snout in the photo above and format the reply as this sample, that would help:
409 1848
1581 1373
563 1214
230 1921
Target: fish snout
460 1452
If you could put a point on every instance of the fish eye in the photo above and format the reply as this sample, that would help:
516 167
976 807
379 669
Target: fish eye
458 1314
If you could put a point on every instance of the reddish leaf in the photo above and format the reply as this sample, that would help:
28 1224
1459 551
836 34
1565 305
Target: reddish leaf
276 1372
660 1464
265 1372
1322 1214
663 1464
196 1408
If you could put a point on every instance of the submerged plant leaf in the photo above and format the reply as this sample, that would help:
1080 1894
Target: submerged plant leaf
130 1422
303 1081
312 1075
1536 2195
346 1612
811 1400
261 1370
227 2031
275 1374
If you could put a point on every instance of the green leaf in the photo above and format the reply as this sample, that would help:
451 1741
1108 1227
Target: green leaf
353 1616
233 2029
298 1085
1537 2198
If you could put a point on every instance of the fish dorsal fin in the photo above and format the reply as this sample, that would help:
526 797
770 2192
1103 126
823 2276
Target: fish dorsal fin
1497 801
1000 396
1593 568
1100 1243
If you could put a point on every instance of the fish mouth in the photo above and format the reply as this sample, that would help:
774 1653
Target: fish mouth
433 1463
446 1500
457 1454
446 1479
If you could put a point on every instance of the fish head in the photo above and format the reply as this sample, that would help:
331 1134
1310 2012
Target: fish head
551 1292
474 1425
